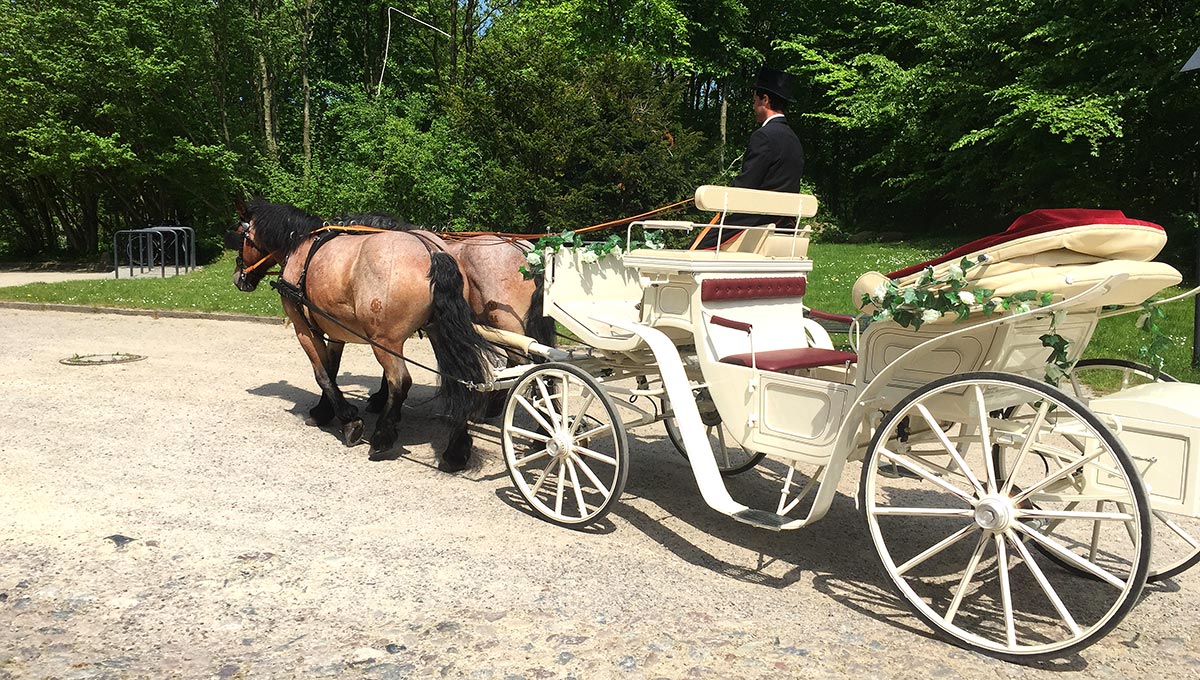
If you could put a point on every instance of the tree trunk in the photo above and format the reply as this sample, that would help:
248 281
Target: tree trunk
305 39
724 112
266 90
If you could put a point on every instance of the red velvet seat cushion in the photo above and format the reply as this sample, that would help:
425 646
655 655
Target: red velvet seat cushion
792 359
1029 224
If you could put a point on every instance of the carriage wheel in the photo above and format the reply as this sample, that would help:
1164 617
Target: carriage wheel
1176 537
954 532
564 444
732 459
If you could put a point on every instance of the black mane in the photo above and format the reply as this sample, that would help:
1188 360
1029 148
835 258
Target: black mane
279 226
377 220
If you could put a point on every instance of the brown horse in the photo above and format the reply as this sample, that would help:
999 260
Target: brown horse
500 297
379 288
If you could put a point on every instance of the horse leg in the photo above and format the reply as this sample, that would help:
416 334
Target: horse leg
396 383
322 413
378 399
457 454
318 353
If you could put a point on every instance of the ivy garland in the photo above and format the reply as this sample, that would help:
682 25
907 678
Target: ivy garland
590 252
931 298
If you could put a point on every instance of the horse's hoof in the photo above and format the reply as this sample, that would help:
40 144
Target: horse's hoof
377 455
352 432
452 466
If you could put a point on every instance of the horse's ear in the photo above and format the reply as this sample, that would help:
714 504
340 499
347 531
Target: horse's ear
239 204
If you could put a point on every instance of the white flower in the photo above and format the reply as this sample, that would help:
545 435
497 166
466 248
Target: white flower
655 245
589 256
533 257
880 291
966 298
1021 308
930 315
955 271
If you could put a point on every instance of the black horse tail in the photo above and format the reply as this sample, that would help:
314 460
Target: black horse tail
458 347
537 325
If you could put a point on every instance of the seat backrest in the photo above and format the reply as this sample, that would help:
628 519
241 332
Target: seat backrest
715 198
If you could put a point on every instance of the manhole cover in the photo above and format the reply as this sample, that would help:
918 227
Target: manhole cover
99 359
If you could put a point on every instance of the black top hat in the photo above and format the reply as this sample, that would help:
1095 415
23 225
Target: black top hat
775 82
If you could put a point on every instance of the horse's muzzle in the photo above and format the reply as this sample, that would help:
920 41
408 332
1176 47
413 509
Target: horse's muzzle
244 283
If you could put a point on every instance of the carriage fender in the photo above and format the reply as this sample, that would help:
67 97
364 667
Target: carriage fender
683 403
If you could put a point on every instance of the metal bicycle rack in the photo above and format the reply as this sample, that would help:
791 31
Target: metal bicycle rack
153 247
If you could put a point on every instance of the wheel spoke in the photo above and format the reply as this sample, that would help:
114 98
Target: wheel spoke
531 457
596 455
985 436
583 510
721 444
1179 531
542 479
928 476
1030 438
536 436
1057 475
587 472
1065 554
950 447
558 494
972 565
587 403
921 512
533 411
1040 577
1010 632
1038 513
550 406
937 548
593 433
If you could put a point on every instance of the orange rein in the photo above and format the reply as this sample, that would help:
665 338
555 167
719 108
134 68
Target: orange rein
584 230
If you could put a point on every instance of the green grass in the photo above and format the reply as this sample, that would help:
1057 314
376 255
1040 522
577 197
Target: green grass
209 289
835 268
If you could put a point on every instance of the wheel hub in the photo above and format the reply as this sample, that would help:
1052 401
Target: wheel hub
558 446
994 514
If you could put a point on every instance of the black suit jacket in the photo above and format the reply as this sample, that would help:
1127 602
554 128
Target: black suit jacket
774 161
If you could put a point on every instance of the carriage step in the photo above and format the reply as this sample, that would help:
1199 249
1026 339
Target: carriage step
761 519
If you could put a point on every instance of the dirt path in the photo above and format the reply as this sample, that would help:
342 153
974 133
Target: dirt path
264 548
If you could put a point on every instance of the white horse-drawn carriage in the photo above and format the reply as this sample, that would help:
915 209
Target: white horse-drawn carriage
1013 517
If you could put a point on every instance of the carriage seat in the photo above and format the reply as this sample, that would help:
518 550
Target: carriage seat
1064 251
770 332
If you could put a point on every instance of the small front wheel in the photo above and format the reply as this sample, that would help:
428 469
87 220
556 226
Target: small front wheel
732 458
564 444
972 514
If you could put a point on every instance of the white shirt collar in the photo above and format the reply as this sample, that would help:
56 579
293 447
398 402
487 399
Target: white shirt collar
778 115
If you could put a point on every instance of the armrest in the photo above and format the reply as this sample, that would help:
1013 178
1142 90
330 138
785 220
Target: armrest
829 316
730 323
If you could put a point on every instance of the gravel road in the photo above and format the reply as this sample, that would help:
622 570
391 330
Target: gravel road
264 548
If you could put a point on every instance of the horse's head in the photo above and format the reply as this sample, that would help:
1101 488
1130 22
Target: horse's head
253 260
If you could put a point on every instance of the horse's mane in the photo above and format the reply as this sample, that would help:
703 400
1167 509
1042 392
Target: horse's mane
279 226
376 220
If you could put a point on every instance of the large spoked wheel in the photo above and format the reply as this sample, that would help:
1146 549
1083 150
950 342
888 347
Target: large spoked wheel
732 459
956 501
1176 537
564 444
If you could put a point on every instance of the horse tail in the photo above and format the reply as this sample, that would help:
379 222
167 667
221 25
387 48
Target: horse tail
537 325
458 347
